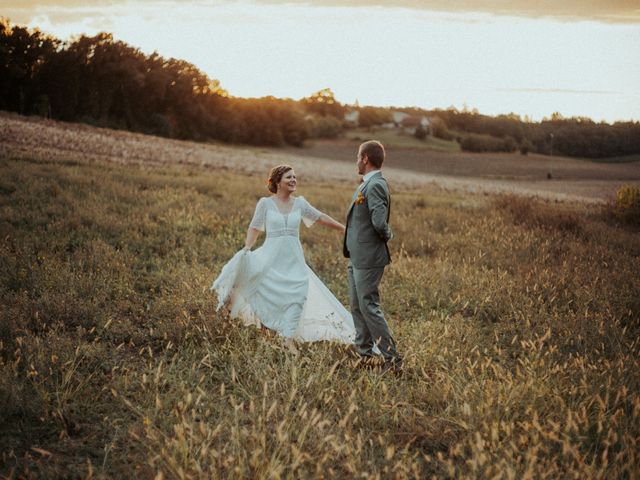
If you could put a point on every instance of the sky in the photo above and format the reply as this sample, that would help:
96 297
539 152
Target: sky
532 58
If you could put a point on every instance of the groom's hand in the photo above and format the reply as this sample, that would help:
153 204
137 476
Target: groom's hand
378 202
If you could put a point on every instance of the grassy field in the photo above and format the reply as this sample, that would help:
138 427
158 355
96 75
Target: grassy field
395 138
518 321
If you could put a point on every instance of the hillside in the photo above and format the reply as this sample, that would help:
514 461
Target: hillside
518 320
407 168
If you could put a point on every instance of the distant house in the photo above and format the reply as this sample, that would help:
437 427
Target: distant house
398 117
352 117
410 122
405 121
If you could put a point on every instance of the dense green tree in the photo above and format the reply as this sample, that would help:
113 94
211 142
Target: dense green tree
323 102
420 132
22 55
576 136
99 80
372 116
486 143
324 127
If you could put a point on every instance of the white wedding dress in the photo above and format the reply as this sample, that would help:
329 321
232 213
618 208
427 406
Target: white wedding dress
274 286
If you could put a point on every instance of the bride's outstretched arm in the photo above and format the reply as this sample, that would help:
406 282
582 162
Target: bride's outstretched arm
252 236
327 221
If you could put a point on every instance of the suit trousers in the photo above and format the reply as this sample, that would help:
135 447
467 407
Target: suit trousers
368 319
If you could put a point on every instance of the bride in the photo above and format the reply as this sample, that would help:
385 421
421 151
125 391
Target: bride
273 286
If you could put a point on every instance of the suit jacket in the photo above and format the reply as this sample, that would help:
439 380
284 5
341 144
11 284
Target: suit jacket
368 231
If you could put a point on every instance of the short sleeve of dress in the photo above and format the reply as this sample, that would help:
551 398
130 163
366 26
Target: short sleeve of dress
259 216
308 212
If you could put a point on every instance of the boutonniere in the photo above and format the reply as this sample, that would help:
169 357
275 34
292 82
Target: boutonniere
359 199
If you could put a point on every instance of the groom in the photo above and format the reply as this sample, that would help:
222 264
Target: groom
365 244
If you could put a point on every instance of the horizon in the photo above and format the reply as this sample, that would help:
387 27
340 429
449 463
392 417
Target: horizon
500 58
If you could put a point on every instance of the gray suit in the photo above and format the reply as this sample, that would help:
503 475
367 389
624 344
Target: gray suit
365 244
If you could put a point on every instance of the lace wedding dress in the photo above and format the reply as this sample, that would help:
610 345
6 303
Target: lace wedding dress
274 286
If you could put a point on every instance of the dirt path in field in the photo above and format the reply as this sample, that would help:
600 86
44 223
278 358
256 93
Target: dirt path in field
573 180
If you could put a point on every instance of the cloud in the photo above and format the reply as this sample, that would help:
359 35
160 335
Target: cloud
607 11
558 90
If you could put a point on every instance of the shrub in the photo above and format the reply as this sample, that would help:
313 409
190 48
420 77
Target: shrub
509 144
532 214
420 132
487 143
526 146
324 127
372 116
439 129
627 206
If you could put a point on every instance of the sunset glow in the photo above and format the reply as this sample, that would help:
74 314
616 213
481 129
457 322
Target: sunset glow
383 55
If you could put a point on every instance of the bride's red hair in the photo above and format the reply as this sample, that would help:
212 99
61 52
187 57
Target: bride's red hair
275 175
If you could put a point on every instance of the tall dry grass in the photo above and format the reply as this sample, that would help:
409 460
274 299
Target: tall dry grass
518 321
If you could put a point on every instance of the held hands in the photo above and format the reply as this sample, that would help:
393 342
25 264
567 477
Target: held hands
327 221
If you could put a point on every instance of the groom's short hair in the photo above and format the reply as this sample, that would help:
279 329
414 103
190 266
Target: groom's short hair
374 151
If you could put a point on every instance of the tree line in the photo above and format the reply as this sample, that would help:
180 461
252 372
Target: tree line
573 137
105 82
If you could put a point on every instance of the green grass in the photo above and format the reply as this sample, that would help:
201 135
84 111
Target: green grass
396 138
518 322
